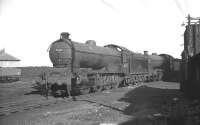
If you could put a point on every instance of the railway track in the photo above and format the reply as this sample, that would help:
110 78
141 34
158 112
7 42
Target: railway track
15 107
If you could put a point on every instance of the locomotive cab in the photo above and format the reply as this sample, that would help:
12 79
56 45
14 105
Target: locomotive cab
125 57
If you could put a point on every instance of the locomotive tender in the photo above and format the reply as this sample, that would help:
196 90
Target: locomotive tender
83 68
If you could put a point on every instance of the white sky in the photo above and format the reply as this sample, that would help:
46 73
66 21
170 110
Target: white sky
28 27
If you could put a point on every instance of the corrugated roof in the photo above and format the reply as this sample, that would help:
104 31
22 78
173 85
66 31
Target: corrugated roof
7 57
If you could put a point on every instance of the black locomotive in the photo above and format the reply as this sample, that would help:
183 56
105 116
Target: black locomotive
83 68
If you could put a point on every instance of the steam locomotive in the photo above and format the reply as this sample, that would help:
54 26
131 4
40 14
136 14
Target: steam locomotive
80 68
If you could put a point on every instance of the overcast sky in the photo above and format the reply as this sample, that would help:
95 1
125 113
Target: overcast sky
28 27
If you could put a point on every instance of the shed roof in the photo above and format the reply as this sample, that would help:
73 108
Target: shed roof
7 57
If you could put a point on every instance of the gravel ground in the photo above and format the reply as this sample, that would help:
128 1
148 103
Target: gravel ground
156 103
18 92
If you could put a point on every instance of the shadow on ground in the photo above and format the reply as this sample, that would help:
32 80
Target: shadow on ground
40 89
146 102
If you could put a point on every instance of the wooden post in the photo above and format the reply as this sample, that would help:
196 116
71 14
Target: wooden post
46 84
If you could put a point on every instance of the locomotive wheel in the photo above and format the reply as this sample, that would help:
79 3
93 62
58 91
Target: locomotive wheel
110 86
94 89
126 82
98 88
117 85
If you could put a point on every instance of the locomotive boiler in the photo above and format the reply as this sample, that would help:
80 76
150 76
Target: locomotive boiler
67 53
85 67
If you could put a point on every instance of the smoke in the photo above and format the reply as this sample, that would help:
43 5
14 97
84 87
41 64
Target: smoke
109 5
187 5
144 2
1 5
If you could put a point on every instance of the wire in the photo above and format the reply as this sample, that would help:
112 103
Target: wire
109 5
179 7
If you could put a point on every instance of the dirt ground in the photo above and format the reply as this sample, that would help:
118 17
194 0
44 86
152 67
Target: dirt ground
149 104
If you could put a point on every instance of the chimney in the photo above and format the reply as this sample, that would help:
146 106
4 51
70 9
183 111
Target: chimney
64 35
146 53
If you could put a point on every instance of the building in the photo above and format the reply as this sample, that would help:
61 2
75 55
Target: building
7 60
